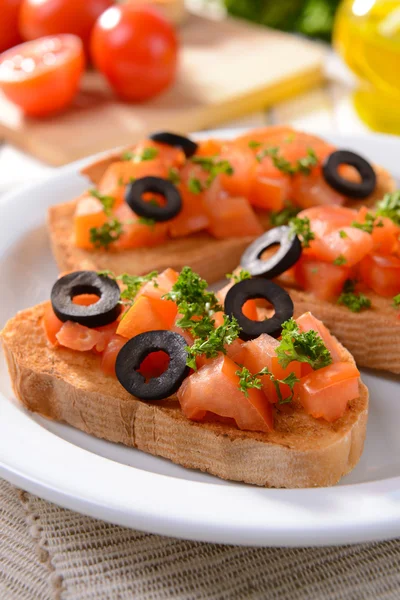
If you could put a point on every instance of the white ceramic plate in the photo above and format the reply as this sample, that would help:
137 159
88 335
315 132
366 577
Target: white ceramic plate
126 486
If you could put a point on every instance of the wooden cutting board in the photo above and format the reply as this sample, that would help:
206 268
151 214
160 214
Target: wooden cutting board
227 69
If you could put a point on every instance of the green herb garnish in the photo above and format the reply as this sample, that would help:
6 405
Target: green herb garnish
247 381
301 228
173 176
340 260
147 221
343 234
213 167
283 216
107 201
147 154
355 302
396 301
254 145
214 342
194 185
307 347
102 237
390 207
370 222
302 165
243 274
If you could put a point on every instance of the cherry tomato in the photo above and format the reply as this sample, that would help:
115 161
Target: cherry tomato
49 17
136 49
9 34
42 76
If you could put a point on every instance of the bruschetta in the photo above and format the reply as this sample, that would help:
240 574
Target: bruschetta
163 367
169 201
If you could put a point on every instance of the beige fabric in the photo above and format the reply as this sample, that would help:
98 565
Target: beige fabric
48 553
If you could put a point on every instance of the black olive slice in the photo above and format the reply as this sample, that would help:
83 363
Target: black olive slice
249 289
288 254
177 141
156 185
344 186
102 312
135 351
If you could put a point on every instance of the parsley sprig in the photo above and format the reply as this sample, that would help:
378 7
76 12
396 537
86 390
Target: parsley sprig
390 207
211 165
368 225
103 236
302 228
214 342
248 381
241 276
284 216
355 302
396 301
340 260
307 347
107 201
302 165
147 154
132 284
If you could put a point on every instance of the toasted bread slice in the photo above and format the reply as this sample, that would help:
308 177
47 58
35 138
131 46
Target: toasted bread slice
209 257
69 387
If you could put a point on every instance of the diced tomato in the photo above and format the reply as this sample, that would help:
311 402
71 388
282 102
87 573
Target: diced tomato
323 279
85 299
312 190
193 216
261 352
52 324
88 213
381 274
325 219
273 136
269 193
349 243
325 393
78 337
243 164
136 234
307 321
385 237
147 314
110 354
169 156
154 364
215 388
233 217
209 147
159 286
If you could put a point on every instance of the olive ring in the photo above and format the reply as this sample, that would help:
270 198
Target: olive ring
102 312
249 289
352 189
175 140
287 255
135 351
156 185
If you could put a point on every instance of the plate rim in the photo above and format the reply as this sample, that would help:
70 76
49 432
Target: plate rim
366 526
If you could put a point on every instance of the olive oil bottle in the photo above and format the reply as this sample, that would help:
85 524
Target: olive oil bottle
367 35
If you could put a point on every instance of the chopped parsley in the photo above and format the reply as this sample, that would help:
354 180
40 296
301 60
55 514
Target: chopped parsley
214 342
390 207
194 185
284 216
102 237
248 381
370 222
356 302
340 260
343 234
147 154
301 228
132 284
243 274
396 301
302 165
254 145
213 166
173 176
307 347
107 201
147 221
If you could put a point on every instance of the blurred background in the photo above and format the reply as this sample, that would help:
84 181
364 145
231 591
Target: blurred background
78 77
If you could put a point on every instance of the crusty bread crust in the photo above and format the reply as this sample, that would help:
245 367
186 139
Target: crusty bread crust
69 387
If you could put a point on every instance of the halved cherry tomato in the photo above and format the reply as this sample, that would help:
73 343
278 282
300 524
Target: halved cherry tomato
325 393
78 337
381 274
147 314
261 352
52 324
9 34
136 49
323 279
110 354
48 17
89 213
42 77
215 388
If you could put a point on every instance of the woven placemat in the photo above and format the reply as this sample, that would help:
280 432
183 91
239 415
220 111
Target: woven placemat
48 553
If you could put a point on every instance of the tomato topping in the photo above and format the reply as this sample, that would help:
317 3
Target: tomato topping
232 217
161 285
135 233
52 324
85 299
348 245
269 193
325 219
261 352
154 364
307 321
147 314
215 388
89 213
110 354
243 164
325 393
323 279
42 77
78 337
312 190
381 274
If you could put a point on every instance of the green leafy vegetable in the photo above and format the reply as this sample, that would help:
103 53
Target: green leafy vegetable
355 302
102 237
243 274
284 216
307 347
301 228
214 342
390 207
248 381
